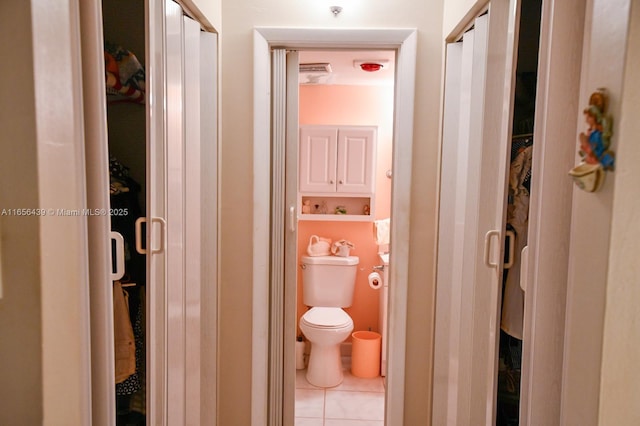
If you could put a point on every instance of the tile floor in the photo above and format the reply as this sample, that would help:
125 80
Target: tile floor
354 402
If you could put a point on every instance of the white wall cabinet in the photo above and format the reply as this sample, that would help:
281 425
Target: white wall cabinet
336 169
337 159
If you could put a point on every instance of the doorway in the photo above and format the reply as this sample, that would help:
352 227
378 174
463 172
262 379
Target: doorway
339 97
126 145
268 379
546 276
511 339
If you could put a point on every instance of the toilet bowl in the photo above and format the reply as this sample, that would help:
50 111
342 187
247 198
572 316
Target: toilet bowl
326 328
328 284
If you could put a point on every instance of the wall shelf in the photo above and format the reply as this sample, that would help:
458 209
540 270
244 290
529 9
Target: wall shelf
336 217
323 207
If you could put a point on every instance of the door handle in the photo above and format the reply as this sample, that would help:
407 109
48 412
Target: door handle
119 272
524 268
292 218
139 222
512 244
163 225
487 248
163 234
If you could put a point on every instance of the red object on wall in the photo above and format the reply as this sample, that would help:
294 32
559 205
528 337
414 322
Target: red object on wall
370 67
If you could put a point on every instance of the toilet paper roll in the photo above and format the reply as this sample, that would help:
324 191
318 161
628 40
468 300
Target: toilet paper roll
375 280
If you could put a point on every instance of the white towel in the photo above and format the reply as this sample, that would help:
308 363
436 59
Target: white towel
381 230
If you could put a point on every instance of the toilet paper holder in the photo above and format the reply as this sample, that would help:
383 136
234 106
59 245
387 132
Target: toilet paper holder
375 280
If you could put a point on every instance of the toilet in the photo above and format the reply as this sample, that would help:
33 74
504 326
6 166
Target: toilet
327 287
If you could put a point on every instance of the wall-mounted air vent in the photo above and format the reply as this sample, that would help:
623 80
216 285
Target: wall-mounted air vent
320 67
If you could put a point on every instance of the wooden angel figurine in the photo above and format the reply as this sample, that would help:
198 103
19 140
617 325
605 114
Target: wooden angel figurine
594 143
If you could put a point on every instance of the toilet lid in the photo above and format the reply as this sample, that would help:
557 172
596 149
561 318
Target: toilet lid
326 317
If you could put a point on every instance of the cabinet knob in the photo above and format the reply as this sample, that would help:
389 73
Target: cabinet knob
340 182
331 181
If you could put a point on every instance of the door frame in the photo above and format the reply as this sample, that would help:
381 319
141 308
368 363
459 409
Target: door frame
61 251
604 50
405 42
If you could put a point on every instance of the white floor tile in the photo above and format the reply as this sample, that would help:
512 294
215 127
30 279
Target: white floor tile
353 383
354 405
301 380
309 403
344 422
355 402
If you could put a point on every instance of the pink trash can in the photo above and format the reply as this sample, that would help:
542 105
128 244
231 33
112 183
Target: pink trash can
365 354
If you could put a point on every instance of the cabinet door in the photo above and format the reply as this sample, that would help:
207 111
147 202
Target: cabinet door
356 150
318 150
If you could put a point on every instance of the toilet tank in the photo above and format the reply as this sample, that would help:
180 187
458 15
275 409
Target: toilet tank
328 280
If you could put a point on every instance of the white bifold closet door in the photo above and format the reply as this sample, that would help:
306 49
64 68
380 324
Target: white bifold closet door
190 216
476 129
283 262
176 270
181 218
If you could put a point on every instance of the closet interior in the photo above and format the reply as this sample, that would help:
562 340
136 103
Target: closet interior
124 52
519 187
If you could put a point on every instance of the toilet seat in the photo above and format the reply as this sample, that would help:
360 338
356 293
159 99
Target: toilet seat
326 318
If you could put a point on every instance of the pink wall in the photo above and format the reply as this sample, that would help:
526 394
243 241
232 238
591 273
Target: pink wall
352 105
356 106
365 308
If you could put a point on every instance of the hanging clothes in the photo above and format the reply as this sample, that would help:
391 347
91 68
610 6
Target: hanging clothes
124 340
124 203
138 401
132 384
518 218
124 200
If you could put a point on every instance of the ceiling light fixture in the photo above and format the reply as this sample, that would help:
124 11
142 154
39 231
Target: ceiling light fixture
335 10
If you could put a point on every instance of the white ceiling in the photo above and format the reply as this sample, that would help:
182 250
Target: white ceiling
343 70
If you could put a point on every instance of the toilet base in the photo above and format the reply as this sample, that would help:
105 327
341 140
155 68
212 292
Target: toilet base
325 366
